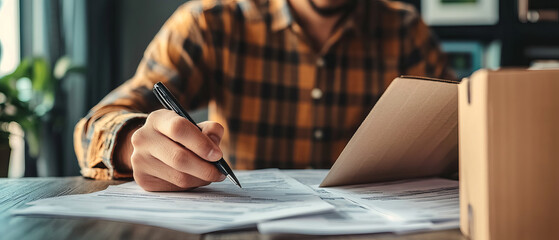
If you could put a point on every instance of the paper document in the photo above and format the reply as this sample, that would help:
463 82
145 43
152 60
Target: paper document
267 195
348 218
287 201
424 199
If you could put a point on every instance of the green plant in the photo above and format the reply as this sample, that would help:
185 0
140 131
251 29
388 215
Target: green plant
27 95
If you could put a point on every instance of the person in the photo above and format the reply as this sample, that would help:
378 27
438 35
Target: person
287 83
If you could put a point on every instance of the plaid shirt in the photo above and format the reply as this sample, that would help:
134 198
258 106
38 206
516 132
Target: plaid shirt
283 103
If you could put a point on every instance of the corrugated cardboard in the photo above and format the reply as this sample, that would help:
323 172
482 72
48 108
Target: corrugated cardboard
509 154
412 131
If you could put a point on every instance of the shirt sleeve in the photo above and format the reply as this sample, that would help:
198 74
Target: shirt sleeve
421 53
176 57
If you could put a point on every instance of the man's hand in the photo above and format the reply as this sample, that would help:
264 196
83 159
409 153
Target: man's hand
169 153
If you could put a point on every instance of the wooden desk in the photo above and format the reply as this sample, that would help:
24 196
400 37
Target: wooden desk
14 193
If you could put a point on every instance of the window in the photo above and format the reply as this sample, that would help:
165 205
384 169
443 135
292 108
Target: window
9 60
9 36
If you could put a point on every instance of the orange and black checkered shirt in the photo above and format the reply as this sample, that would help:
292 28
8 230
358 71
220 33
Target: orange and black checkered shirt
284 103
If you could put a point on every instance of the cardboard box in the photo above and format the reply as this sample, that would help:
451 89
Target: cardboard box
411 132
509 154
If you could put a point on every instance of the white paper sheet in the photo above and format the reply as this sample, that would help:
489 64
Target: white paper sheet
307 177
348 218
267 194
292 196
432 199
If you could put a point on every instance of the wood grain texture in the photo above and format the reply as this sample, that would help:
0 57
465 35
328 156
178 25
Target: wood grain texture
15 193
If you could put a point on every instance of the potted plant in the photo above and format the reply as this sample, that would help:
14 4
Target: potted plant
26 97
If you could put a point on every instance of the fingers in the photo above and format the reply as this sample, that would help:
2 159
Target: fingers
185 133
154 184
213 130
183 160
156 176
171 154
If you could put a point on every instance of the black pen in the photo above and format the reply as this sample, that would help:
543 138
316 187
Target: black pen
170 102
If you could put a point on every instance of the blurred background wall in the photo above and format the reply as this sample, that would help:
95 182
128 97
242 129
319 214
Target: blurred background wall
105 39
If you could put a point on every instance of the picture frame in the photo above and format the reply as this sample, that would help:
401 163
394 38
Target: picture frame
460 12
464 57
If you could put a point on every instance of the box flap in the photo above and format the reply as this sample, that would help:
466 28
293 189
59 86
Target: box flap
411 132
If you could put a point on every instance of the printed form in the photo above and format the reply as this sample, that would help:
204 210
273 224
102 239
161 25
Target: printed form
431 199
268 194
286 201
351 217
347 218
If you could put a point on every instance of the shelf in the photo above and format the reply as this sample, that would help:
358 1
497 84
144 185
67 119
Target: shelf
537 31
516 37
480 33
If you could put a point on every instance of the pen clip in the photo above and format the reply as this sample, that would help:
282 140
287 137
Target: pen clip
161 98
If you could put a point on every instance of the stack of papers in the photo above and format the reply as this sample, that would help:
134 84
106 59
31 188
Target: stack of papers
356 210
274 201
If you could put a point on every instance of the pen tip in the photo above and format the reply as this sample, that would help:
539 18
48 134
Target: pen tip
234 180
238 184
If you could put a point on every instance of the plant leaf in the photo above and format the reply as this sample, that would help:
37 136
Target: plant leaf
41 79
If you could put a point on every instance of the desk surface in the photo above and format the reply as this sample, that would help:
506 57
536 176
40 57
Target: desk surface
14 193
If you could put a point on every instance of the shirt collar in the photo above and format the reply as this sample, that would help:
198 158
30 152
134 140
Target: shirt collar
279 15
276 13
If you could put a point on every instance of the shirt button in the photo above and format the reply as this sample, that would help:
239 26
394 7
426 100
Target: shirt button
320 62
316 93
318 134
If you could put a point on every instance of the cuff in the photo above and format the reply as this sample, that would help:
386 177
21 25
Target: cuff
102 145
